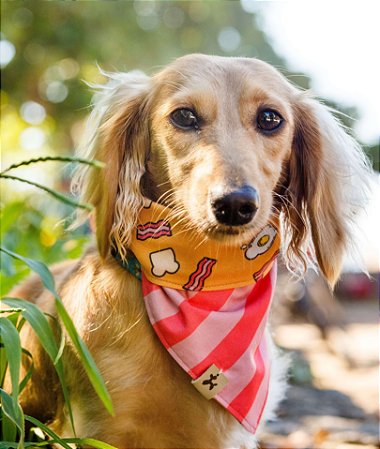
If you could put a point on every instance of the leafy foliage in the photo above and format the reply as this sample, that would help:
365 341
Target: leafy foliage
26 229
18 311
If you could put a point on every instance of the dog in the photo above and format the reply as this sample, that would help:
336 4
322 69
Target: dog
226 145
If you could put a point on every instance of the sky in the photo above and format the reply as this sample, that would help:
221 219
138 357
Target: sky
337 44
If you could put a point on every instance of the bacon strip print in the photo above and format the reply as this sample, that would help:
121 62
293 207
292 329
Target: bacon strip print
259 274
198 277
152 230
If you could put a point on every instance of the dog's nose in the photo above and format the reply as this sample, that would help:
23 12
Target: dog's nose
236 208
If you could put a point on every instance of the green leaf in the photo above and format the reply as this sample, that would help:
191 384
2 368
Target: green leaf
38 267
29 373
88 442
9 214
11 445
86 358
60 350
3 364
14 413
92 443
65 442
38 322
19 324
48 431
10 406
41 327
84 354
12 345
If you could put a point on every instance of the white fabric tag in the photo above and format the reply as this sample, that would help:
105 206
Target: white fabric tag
211 382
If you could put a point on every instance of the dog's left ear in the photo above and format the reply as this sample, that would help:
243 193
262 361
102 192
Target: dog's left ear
327 184
118 136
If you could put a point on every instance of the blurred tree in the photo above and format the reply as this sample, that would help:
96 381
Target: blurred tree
58 44
373 152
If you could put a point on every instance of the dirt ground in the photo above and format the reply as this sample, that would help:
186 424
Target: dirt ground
332 401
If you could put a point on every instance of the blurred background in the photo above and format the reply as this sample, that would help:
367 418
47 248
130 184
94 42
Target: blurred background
50 50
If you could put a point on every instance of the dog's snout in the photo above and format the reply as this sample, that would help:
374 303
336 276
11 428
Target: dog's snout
236 208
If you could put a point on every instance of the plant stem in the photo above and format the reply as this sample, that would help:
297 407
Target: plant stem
96 164
56 195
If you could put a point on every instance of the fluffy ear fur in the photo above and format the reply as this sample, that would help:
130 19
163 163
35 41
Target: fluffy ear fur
117 135
327 183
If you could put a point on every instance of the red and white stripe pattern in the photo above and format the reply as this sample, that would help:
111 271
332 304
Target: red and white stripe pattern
153 230
224 328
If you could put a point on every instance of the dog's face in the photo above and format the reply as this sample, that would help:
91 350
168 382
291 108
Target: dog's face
221 133
227 143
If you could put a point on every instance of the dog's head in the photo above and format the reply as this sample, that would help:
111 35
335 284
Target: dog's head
226 143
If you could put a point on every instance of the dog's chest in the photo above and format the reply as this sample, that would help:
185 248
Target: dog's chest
166 406
156 402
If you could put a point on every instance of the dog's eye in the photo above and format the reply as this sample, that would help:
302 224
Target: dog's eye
269 120
184 119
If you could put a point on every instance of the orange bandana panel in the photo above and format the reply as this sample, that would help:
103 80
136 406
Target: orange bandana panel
171 255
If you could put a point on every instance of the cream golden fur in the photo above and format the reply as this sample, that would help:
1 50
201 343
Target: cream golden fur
241 125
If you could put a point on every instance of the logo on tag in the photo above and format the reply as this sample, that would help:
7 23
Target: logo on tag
211 382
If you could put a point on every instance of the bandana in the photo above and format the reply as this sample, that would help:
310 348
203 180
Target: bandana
208 304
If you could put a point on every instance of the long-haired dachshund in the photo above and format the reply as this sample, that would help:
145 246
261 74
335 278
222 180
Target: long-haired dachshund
207 164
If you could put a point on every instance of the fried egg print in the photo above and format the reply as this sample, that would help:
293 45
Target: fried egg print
261 243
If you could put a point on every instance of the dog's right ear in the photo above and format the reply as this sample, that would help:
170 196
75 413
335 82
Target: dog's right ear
327 186
117 135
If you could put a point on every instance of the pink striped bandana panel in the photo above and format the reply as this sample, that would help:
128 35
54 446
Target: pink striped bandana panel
218 338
